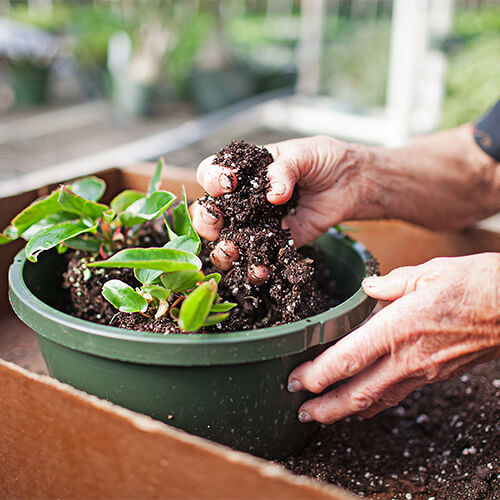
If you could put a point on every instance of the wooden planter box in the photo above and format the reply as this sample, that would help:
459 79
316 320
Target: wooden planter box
56 441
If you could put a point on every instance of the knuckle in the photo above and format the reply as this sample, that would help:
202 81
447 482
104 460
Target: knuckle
360 400
349 365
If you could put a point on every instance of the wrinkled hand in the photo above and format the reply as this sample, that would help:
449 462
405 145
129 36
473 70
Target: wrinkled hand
326 171
445 318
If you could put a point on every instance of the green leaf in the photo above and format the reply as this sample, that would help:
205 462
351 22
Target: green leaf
85 244
91 188
223 307
213 319
196 306
35 212
182 220
4 239
123 200
82 207
158 292
124 297
185 243
213 276
147 208
161 259
154 183
52 236
181 280
49 221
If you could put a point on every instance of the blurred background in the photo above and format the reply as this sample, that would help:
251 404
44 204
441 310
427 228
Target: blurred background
90 84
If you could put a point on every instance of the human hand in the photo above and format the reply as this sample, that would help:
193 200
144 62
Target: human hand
445 318
327 172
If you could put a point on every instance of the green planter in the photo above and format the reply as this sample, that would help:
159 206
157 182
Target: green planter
228 387
30 83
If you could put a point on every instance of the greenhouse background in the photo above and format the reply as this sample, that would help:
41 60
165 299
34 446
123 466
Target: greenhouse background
91 84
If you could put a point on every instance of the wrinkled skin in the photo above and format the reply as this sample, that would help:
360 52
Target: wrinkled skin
443 319
445 315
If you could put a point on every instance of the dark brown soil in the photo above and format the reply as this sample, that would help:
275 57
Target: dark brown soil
442 442
296 287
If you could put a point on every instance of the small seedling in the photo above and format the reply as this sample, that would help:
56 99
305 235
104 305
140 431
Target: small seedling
71 217
171 277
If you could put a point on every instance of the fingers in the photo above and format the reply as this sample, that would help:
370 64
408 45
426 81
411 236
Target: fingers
258 274
380 386
207 223
398 282
224 255
283 176
349 356
215 179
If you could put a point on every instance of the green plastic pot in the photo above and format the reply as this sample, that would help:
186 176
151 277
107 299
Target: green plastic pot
228 387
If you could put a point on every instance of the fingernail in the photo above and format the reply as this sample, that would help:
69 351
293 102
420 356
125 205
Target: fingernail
277 188
304 417
225 182
207 217
295 386
369 282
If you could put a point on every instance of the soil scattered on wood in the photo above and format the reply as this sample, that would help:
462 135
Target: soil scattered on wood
441 442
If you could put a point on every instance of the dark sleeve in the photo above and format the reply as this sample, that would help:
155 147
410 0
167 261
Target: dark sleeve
487 132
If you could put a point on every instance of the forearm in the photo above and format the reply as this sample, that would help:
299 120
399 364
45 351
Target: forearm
441 181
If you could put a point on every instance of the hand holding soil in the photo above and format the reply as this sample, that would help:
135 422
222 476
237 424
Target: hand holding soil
324 168
444 319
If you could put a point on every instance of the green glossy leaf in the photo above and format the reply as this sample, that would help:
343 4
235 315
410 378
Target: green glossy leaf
52 236
196 306
146 209
91 188
148 276
185 243
181 280
223 307
161 259
78 205
158 292
35 212
124 297
213 276
213 319
4 239
154 183
47 222
182 220
123 200
85 244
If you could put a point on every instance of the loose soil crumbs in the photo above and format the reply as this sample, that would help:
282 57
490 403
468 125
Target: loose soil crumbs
441 442
298 285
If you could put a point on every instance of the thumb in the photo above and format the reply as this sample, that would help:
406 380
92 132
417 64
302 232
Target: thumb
394 285
283 175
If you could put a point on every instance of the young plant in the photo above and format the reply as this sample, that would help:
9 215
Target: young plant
71 217
171 279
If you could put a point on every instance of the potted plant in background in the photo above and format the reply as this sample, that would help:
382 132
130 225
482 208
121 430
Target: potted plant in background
29 53
229 387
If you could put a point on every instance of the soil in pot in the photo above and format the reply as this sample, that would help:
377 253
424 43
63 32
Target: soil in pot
296 283
441 442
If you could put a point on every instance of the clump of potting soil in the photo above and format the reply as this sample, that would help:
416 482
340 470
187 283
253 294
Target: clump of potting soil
295 284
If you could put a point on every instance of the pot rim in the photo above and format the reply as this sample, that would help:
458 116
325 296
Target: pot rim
187 349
